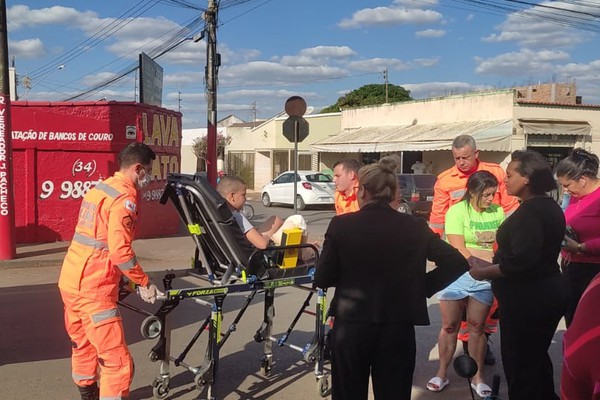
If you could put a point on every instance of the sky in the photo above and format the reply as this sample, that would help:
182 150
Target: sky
317 49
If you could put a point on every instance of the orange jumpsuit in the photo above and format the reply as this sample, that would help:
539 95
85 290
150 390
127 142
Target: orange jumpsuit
449 189
346 204
99 254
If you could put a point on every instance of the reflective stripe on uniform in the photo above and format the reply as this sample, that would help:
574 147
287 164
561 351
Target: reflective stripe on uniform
77 377
436 226
88 241
109 190
127 265
457 194
104 315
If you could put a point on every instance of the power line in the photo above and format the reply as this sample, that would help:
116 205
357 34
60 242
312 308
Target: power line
98 37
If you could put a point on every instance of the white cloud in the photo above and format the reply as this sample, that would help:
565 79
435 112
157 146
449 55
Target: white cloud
316 56
427 62
430 33
28 48
385 16
265 72
587 77
21 16
524 62
96 79
378 64
470 17
435 89
415 4
533 28
328 52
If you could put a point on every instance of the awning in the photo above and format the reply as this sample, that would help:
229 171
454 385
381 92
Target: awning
553 127
489 135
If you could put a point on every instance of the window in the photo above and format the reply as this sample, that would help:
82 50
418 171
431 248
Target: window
318 178
285 178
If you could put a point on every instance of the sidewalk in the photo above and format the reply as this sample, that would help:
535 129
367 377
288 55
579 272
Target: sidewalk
153 254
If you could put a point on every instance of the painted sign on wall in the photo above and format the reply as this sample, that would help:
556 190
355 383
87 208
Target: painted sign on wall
61 150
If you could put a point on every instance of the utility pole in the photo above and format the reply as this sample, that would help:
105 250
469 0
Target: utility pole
7 204
212 63
179 100
253 109
385 78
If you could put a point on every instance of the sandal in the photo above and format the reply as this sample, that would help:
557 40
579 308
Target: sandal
481 389
436 384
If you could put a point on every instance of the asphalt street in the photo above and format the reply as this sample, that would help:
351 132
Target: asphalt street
34 348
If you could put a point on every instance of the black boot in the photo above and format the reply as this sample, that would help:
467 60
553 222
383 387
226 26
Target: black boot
90 392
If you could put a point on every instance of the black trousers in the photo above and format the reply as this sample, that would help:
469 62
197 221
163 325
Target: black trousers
529 315
578 276
384 351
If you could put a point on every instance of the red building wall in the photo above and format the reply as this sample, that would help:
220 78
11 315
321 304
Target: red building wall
60 150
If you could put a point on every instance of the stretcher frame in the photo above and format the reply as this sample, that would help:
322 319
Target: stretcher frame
227 269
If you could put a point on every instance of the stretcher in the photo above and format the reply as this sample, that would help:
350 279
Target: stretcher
225 264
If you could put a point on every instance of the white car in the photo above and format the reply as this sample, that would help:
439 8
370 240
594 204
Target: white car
313 188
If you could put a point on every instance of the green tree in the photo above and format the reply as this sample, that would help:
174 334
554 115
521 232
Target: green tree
199 147
369 95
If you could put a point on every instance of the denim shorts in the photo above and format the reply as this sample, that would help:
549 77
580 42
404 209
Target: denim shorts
465 286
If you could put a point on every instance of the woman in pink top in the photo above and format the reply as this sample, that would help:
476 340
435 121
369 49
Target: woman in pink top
581 254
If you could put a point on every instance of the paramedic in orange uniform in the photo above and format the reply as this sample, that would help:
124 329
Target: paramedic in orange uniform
99 254
451 184
345 178
449 190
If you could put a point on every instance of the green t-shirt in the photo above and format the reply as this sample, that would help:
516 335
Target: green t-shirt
478 228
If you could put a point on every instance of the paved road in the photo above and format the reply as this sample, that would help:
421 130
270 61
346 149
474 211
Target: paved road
34 349
316 217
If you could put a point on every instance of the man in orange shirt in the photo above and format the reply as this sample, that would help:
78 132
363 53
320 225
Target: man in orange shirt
451 184
450 188
345 178
99 255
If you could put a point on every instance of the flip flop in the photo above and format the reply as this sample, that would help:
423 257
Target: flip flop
482 389
436 384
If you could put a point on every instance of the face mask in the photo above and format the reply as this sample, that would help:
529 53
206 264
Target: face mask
142 182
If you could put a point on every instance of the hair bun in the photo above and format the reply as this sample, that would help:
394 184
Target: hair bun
584 155
390 163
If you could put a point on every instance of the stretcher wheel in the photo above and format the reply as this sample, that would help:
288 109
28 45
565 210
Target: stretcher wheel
265 366
323 386
199 381
160 388
151 327
153 356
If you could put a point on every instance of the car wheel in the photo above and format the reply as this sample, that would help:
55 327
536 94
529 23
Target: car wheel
266 200
300 205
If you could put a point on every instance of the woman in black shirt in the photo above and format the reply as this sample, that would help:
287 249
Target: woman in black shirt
526 280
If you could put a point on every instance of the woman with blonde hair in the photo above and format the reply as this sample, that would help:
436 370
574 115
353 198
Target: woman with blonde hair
376 259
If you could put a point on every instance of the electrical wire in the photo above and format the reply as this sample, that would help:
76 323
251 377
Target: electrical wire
103 33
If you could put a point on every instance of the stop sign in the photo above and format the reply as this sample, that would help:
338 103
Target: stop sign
295 128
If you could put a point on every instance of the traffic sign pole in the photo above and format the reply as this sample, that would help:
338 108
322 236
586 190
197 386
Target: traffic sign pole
296 129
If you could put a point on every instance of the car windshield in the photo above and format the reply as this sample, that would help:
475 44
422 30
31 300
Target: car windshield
318 178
